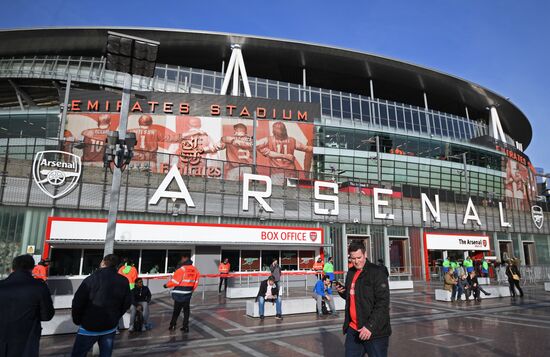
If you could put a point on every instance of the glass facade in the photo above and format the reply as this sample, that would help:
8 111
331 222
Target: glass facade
335 105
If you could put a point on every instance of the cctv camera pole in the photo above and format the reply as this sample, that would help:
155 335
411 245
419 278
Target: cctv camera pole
117 172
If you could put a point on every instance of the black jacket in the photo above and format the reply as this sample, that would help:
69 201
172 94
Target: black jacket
263 290
372 300
472 281
24 302
510 271
141 294
101 300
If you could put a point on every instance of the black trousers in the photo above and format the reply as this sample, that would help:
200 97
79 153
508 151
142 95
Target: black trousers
178 306
515 283
224 281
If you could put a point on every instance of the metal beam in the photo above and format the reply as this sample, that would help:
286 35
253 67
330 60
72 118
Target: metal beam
22 93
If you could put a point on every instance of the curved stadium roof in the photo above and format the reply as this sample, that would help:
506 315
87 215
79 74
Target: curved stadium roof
283 60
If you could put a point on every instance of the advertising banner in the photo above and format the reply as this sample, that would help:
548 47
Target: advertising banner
200 146
205 135
456 242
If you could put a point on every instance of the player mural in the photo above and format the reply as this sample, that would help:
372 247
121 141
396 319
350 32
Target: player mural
520 188
200 146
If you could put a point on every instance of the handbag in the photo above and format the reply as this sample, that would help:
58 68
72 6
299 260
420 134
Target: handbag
515 276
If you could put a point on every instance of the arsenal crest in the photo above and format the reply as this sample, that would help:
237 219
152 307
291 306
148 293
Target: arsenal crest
538 216
56 172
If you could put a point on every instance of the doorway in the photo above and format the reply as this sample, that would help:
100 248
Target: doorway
506 250
529 253
366 241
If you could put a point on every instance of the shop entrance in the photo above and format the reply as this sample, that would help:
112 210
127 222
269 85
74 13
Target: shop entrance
366 241
435 259
506 250
529 253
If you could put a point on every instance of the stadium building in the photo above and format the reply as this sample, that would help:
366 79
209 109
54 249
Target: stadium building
253 148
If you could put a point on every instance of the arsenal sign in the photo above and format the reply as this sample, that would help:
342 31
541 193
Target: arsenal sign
538 216
56 172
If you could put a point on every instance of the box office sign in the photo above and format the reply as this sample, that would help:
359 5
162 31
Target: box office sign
65 229
456 242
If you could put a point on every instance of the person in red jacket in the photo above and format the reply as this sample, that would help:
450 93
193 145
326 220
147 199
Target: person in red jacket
318 267
184 281
129 271
223 269
40 270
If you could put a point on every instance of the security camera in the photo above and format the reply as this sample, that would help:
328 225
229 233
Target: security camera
356 220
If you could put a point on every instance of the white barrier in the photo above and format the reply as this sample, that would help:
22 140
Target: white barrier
62 301
547 286
495 291
62 323
291 306
401 284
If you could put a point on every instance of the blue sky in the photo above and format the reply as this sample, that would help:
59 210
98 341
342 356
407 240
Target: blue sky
501 44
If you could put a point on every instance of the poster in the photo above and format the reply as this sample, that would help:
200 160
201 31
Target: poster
200 146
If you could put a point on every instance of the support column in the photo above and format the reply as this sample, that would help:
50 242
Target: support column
386 248
371 86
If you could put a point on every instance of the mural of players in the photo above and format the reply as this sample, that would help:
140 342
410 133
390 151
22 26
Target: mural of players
148 142
520 188
238 147
286 150
198 143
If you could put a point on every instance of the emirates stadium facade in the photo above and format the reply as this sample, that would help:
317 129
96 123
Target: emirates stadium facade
253 148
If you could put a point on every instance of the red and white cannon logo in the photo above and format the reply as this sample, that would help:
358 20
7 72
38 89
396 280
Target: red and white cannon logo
56 172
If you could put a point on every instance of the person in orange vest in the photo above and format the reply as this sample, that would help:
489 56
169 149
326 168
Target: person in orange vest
223 269
318 267
128 271
40 270
184 281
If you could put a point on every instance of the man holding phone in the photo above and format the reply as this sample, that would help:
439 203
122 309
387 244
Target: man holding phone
366 291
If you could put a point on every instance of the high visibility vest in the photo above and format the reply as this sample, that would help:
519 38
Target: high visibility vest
329 268
39 272
131 275
454 265
224 268
318 266
446 263
184 280
468 263
485 265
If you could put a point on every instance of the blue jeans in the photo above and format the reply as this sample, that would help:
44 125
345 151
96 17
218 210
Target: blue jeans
83 344
261 303
355 347
453 293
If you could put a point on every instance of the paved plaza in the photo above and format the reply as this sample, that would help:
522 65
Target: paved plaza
421 327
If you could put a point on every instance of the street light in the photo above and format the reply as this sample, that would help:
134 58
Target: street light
131 56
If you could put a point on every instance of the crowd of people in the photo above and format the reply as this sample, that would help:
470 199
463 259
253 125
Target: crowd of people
103 298
462 278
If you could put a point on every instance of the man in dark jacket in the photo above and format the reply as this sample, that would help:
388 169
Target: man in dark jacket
513 274
24 302
269 291
98 305
141 298
366 291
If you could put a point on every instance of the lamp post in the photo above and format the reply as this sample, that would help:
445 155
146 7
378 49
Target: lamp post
129 55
